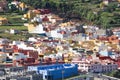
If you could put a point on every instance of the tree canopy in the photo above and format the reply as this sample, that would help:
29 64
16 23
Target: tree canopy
94 11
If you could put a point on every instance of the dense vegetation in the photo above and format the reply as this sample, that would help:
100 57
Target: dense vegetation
91 10
88 11
114 74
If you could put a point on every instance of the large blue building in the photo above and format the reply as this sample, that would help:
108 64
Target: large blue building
56 71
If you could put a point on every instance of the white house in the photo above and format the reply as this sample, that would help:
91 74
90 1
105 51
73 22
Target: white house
55 34
38 29
18 56
106 2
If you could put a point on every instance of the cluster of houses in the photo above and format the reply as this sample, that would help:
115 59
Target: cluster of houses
57 42
63 42
4 5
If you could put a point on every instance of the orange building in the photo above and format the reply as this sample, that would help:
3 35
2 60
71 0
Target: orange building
113 39
3 21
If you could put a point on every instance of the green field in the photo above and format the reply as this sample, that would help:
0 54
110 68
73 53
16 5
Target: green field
13 18
12 36
14 22
13 27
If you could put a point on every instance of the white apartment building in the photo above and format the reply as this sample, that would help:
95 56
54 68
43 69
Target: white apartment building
95 67
82 65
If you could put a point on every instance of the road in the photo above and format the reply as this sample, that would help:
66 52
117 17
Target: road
102 77
92 76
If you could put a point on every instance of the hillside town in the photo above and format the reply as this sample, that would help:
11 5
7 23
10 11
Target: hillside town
59 49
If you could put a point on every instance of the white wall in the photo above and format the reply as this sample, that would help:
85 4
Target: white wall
38 29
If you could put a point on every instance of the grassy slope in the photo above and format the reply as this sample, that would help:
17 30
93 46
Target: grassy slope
16 23
13 27
13 18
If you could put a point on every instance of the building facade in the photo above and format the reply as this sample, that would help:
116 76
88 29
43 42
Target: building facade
95 67
56 71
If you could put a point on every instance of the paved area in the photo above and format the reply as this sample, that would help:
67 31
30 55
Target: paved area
91 76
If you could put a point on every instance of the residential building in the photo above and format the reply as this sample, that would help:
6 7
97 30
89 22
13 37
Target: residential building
3 21
95 67
56 71
19 73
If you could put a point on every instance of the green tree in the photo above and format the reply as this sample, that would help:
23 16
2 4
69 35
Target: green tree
90 16
111 7
83 9
106 19
33 3
117 74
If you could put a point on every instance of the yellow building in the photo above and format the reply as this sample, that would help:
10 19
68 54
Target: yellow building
29 15
31 27
22 5
3 21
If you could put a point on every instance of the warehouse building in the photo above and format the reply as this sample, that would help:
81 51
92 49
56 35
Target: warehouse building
56 71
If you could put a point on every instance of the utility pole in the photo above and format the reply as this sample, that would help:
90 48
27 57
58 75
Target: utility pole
62 74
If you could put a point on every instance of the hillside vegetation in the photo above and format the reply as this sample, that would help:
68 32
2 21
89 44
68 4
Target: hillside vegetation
93 11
